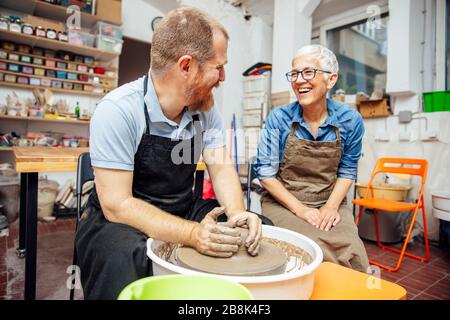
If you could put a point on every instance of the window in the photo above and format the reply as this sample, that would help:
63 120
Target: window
361 49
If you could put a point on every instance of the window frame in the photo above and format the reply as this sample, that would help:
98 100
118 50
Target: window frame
352 20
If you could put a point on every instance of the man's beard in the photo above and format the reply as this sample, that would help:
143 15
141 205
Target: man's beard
198 97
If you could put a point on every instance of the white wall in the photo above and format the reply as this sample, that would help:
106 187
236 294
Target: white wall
137 16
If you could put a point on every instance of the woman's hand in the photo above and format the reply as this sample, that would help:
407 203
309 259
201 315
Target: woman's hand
329 217
310 215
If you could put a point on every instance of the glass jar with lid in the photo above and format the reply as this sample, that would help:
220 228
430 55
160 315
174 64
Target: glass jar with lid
4 23
40 32
27 29
62 36
51 34
15 24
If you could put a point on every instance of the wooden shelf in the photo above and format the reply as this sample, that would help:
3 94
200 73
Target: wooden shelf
18 118
49 11
29 86
61 60
20 74
56 45
56 69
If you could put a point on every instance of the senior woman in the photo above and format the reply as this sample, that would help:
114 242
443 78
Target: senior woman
307 160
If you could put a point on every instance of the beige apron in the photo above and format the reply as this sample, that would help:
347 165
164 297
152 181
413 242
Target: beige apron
308 170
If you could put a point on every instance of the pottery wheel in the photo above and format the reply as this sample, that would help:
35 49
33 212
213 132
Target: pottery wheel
270 260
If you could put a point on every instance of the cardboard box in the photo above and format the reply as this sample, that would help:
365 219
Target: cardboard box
374 108
280 98
45 23
110 11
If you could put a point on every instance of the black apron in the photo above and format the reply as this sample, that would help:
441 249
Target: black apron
112 255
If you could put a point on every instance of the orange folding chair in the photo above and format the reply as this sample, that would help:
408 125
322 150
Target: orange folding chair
390 205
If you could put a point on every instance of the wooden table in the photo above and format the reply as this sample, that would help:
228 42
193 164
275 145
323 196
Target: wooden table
30 161
335 282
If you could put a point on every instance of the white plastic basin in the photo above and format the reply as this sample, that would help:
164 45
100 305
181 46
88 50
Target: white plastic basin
297 284
441 200
441 214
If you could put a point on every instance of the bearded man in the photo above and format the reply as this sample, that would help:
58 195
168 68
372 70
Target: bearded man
146 139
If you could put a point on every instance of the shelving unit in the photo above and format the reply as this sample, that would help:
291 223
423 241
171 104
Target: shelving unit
29 86
48 10
104 59
56 45
57 69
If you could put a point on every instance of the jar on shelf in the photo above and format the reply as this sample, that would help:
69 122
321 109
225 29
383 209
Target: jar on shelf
28 29
4 23
62 36
51 34
15 25
40 32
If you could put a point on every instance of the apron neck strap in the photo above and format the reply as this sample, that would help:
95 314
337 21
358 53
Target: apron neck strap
195 117
295 125
147 117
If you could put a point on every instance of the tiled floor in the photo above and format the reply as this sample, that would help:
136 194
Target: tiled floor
424 281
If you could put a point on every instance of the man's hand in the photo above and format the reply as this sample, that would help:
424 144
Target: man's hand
329 218
214 239
310 215
250 221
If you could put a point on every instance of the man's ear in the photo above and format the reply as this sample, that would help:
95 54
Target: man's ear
184 64
332 80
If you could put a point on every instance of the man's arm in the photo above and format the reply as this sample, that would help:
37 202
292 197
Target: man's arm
228 191
114 188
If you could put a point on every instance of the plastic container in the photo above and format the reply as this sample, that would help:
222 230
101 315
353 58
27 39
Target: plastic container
81 38
25 59
38 61
61 65
251 119
255 101
56 84
108 44
13 57
39 72
72 76
297 284
27 70
68 85
436 101
441 214
107 30
47 191
184 287
46 82
260 83
35 81
50 63
23 48
13 67
9 197
441 200
10 78
22 80
61 74
71 66
3 54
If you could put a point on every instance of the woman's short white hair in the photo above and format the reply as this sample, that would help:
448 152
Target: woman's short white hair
327 59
